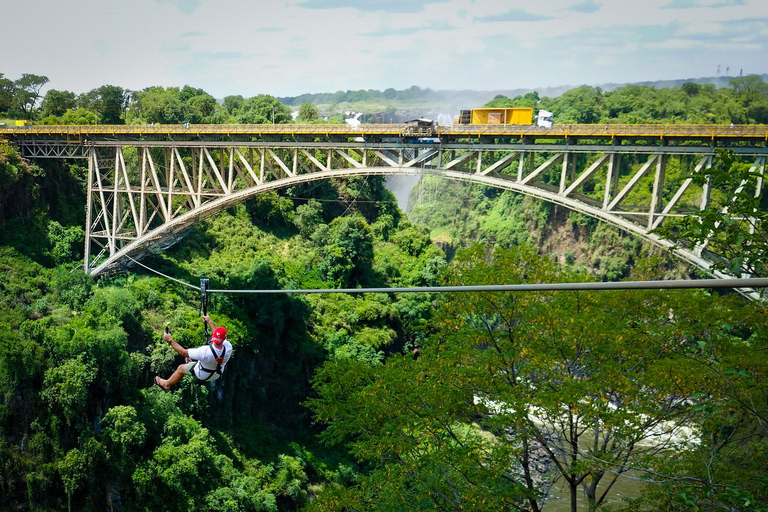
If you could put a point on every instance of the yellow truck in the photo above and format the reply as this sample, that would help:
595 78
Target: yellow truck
23 122
508 115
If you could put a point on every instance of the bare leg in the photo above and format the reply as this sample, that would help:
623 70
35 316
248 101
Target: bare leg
173 379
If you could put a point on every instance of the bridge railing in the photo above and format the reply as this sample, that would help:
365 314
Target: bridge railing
226 129
754 131
613 130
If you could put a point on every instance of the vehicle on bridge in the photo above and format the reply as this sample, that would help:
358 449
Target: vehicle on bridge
544 118
490 115
418 128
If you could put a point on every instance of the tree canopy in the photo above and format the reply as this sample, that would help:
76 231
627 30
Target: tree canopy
382 401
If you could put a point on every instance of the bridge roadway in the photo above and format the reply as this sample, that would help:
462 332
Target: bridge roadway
752 134
148 184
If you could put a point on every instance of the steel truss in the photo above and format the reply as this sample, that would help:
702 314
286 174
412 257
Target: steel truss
145 196
52 149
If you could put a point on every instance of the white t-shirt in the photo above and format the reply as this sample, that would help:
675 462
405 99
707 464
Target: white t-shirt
204 356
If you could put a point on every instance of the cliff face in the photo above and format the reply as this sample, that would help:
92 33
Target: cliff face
459 215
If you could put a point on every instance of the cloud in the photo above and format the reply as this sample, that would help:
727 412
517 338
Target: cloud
103 47
515 15
185 6
228 55
174 46
393 6
408 31
714 4
293 54
586 7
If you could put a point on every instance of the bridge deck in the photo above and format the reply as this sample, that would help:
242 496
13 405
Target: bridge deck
148 184
749 133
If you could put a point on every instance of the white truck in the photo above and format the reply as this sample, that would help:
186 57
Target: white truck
544 119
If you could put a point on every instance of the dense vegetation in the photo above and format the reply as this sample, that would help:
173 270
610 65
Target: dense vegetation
745 101
368 402
82 424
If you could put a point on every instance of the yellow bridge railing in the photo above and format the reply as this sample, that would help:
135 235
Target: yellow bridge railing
394 130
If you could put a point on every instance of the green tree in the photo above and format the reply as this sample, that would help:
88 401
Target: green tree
108 103
734 232
530 99
66 387
201 105
589 382
632 103
160 105
202 108
346 249
233 103
263 109
67 242
691 88
124 436
79 116
750 89
27 92
308 113
56 103
7 88
580 105
78 469
308 217
725 471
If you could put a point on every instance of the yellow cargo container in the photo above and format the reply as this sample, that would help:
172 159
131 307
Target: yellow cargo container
512 115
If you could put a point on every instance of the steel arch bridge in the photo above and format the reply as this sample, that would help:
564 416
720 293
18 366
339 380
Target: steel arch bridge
148 185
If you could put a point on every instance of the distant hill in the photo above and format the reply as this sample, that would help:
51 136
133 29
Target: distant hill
403 103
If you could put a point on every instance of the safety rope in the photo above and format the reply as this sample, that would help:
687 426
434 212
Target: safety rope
736 283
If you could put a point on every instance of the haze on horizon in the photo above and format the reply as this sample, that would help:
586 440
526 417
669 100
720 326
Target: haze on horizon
291 47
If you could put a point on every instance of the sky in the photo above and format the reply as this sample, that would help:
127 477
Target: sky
291 47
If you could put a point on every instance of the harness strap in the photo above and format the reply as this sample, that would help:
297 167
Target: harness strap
219 362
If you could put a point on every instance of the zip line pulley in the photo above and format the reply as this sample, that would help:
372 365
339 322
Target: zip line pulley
204 305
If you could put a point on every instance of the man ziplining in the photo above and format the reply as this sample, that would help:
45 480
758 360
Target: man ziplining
206 362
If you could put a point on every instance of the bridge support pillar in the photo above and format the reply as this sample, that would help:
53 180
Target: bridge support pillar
568 171
612 178
88 210
658 188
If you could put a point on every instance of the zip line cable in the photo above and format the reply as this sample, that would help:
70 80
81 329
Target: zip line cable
337 200
759 282
161 274
736 283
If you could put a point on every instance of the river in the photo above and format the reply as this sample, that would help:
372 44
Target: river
560 498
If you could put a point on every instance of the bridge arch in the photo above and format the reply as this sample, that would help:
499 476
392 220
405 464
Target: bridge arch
184 173
112 197
168 233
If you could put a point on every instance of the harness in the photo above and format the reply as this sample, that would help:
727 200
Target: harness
219 362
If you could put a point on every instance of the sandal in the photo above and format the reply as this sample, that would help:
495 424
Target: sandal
157 382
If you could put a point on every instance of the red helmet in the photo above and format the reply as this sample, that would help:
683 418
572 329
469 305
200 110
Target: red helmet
219 335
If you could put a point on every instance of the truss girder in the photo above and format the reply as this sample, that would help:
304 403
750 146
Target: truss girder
52 149
147 195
